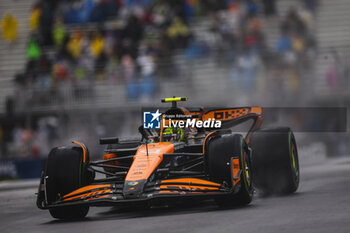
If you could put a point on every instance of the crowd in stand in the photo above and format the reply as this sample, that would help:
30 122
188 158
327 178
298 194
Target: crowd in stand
338 71
22 136
295 49
75 44
131 42
261 67
31 141
125 43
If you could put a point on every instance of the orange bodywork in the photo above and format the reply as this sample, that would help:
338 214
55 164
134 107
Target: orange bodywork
189 184
90 195
190 181
188 187
110 156
84 152
88 191
229 114
143 164
205 140
235 171
256 110
115 163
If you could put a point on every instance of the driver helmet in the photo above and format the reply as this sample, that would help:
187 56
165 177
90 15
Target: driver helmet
173 134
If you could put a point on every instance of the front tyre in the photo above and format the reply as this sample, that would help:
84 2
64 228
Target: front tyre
221 151
275 161
66 171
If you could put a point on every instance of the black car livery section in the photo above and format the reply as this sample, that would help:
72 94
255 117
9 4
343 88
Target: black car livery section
210 163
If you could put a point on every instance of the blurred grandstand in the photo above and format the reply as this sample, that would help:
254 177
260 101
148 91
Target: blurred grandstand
84 68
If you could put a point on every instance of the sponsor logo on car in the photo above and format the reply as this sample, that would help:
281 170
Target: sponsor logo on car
133 183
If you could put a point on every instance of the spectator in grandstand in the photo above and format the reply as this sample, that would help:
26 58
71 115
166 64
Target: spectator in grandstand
34 18
147 66
128 65
97 45
100 65
132 34
110 40
284 44
252 7
80 12
99 12
60 71
254 24
269 7
23 144
196 49
178 34
43 79
59 34
214 6
252 40
293 24
234 14
75 44
46 22
248 65
298 45
311 5
33 49
160 13
9 26
178 9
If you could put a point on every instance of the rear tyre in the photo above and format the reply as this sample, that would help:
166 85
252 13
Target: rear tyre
275 161
66 172
221 151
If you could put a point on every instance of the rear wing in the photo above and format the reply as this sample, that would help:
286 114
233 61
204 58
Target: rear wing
230 117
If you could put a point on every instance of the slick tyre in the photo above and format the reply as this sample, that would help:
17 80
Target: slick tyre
275 161
66 172
221 151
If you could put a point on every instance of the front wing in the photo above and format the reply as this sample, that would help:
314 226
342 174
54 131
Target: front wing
111 194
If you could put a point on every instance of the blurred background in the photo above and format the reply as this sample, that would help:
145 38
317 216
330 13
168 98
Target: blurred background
84 69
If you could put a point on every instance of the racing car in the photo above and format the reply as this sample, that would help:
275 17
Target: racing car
174 163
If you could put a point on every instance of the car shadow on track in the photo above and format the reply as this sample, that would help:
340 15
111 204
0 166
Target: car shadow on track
180 208
176 209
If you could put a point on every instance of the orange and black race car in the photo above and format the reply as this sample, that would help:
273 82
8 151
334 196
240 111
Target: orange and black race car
172 163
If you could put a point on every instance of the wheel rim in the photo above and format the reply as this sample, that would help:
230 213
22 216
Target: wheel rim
246 169
295 166
294 158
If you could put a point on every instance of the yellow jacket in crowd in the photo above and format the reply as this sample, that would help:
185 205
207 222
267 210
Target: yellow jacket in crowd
178 28
9 26
97 46
34 19
75 45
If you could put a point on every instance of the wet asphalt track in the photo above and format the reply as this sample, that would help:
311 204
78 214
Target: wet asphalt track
322 204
